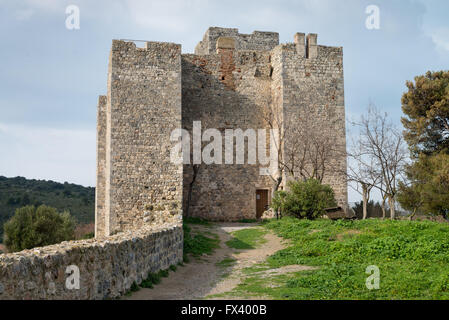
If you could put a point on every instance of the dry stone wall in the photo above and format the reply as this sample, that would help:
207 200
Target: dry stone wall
107 268
139 190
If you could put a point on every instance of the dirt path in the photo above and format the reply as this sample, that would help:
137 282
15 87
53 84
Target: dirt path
203 277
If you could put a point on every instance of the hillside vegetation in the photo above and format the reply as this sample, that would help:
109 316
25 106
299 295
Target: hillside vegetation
18 192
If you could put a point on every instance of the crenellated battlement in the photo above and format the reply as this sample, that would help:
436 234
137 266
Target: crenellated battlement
258 40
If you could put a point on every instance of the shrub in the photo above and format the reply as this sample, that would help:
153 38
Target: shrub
35 227
304 199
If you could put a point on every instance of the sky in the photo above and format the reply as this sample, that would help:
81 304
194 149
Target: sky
51 76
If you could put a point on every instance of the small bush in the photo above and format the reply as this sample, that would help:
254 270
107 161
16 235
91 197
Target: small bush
32 227
304 199
155 278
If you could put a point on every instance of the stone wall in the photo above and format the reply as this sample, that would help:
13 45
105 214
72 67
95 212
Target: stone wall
227 89
313 82
107 268
140 184
230 83
101 166
257 41
229 86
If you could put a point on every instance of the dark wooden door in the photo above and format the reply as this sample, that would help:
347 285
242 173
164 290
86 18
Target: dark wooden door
261 202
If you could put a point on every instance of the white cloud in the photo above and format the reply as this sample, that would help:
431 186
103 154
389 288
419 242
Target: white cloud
47 153
441 38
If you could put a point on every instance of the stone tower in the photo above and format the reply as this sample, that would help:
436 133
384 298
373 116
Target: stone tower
136 182
228 83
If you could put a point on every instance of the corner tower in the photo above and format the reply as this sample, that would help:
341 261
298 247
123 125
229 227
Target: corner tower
137 185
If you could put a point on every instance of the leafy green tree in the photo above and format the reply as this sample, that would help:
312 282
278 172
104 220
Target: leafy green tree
410 197
25 200
429 187
304 199
35 227
426 106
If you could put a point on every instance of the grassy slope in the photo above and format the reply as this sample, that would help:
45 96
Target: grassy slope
412 256
17 192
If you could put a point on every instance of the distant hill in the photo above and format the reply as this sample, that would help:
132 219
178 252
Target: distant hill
18 192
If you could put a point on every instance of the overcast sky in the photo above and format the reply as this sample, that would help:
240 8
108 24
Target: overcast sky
50 77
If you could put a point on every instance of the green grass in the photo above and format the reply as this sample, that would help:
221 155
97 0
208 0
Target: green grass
198 244
193 220
226 262
412 256
247 238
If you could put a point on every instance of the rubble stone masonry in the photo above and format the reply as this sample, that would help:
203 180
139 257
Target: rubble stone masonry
229 83
107 267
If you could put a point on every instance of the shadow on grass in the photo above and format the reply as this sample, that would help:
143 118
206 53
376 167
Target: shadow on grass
239 244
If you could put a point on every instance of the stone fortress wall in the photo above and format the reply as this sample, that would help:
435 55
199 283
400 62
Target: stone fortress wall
107 267
138 219
312 77
137 182
230 82
140 197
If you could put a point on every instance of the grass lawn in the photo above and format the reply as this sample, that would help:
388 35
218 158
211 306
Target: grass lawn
247 238
197 244
412 256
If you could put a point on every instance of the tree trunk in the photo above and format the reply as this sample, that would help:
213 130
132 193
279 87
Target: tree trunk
412 215
276 185
365 204
384 211
392 208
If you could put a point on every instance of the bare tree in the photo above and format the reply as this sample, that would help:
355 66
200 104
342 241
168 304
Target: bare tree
308 149
383 143
274 119
384 195
304 151
362 171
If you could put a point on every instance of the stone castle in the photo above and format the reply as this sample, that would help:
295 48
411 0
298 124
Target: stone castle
229 82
